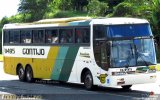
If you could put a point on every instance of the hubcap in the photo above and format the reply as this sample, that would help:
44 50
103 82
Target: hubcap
88 81
21 73
29 76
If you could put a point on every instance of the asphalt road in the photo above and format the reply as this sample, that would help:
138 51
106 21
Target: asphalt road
12 88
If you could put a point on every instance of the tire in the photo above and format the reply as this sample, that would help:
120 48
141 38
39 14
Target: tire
29 74
126 87
88 81
21 73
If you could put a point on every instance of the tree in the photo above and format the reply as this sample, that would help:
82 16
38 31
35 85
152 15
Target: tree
96 8
32 9
156 17
78 5
4 21
134 8
123 9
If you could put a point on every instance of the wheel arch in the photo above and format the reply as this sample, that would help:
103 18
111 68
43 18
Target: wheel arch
83 74
28 65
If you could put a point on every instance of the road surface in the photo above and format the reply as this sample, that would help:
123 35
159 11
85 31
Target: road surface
12 88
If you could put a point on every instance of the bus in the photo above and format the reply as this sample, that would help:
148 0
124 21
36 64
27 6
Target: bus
107 52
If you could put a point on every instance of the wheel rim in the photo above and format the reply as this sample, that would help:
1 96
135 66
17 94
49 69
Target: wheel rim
88 81
29 74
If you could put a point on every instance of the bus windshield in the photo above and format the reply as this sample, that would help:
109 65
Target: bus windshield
131 44
129 30
127 53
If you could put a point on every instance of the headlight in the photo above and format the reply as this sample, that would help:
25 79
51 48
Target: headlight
152 69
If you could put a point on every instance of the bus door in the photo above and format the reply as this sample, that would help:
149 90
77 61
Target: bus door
104 55
102 58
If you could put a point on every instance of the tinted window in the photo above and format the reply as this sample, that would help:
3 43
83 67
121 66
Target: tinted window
38 36
82 35
66 36
133 30
99 31
26 36
51 36
14 36
6 37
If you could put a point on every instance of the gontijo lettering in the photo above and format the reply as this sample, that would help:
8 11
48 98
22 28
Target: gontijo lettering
33 51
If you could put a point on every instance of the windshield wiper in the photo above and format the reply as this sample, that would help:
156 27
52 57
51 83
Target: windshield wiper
131 49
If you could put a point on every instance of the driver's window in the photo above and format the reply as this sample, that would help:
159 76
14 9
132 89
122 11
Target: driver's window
102 54
104 59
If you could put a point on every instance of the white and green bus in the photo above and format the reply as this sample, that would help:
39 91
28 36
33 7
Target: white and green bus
104 52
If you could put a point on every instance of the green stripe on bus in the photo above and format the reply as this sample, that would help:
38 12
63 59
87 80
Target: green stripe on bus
68 63
59 63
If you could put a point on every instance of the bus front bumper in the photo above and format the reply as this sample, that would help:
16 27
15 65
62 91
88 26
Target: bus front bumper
131 79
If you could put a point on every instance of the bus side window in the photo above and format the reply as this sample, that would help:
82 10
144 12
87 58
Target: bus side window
51 36
26 36
82 35
79 37
11 38
17 36
99 32
14 36
6 37
66 36
38 36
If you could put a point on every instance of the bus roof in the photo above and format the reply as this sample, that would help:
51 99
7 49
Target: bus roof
119 20
75 21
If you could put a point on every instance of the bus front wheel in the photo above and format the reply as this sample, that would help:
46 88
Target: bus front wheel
29 74
88 80
21 74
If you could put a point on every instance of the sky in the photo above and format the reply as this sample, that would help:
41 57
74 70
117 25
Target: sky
8 7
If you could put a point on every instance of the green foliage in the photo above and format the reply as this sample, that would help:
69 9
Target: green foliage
156 16
65 5
134 8
35 8
16 19
97 8
4 21
123 9
64 14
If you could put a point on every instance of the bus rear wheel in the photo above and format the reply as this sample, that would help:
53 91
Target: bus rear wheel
88 80
126 87
21 73
29 74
